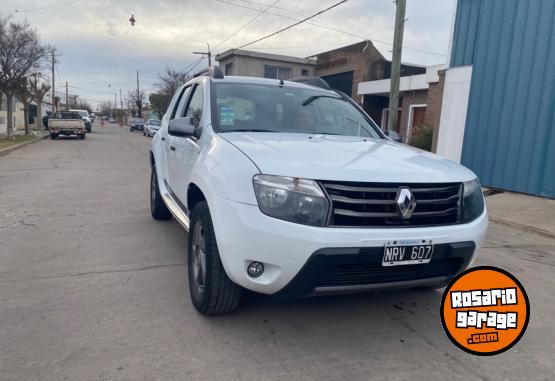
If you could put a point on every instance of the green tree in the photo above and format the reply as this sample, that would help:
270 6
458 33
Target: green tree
159 103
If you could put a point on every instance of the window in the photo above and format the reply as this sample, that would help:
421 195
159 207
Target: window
180 103
304 72
266 108
277 72
229 69
194 111
66 115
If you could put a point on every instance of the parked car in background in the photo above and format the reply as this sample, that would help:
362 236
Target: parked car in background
86 118
292 190
66 123
111 120
151 126
136 124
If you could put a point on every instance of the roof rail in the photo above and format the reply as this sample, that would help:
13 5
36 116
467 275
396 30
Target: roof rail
312 81
211 71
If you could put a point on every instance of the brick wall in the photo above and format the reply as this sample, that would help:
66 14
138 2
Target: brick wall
410 98
363 59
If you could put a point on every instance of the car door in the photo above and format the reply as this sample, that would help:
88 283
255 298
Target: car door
187 148
170 140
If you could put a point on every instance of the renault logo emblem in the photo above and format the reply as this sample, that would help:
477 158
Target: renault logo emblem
405 202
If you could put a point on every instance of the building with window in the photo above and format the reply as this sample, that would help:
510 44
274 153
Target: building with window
419 101
254 64
344 68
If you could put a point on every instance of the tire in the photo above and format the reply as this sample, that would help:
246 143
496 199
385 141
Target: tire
144 133
212 292
158 208
53 136
82 137
130 129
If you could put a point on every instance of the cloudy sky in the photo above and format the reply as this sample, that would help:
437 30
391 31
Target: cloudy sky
100 51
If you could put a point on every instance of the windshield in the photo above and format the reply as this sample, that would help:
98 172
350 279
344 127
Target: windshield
154 122
274 108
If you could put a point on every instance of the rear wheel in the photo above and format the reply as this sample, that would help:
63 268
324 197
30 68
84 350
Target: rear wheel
212 292
53 136
158 208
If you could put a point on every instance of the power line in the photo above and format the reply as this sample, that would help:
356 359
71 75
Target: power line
247 24
292 25
322 25
47 7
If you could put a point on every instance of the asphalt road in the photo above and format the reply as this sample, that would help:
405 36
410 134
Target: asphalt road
92 288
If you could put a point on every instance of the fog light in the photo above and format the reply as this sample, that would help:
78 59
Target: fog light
255 269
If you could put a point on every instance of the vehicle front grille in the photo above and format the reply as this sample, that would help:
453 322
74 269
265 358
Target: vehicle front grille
373 204
373 272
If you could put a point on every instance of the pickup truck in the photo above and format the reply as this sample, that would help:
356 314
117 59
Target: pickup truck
288 188
66 123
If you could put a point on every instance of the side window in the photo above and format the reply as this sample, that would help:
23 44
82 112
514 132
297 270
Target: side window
194 110
180 103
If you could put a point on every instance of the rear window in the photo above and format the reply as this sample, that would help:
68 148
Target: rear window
66 115
154 122
137 120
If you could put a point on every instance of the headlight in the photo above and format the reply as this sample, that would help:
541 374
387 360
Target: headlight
473 200
291 199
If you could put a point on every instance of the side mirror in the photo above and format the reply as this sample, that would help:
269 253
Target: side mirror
393 136
181 127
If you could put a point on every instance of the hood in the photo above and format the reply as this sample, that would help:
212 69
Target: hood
344 158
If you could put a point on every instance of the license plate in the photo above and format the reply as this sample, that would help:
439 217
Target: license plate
407 252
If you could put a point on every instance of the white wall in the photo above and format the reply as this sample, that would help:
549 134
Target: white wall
453 112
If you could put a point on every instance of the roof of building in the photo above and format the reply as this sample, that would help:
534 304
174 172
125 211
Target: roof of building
357 46
265 56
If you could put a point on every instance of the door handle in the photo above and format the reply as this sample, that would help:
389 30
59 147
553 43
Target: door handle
172 148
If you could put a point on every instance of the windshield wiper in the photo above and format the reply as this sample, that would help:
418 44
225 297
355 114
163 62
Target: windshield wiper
311 99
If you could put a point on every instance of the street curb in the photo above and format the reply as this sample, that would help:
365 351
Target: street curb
532 229
7 150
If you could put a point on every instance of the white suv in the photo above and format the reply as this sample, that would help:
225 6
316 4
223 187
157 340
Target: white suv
291 189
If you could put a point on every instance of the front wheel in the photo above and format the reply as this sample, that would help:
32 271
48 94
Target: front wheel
53 136
212 292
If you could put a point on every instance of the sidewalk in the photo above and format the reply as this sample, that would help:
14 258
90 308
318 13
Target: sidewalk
526 212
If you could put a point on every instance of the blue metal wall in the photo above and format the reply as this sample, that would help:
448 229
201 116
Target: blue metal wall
509 136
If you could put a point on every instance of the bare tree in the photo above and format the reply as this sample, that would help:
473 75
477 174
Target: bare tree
38 90
170 80
136 100
23 94
20 55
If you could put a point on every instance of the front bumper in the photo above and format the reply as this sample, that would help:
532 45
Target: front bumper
295 254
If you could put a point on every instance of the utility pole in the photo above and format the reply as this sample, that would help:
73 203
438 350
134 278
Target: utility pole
396 64
115 102
67 98
139 105
121 104
53 85
208 53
